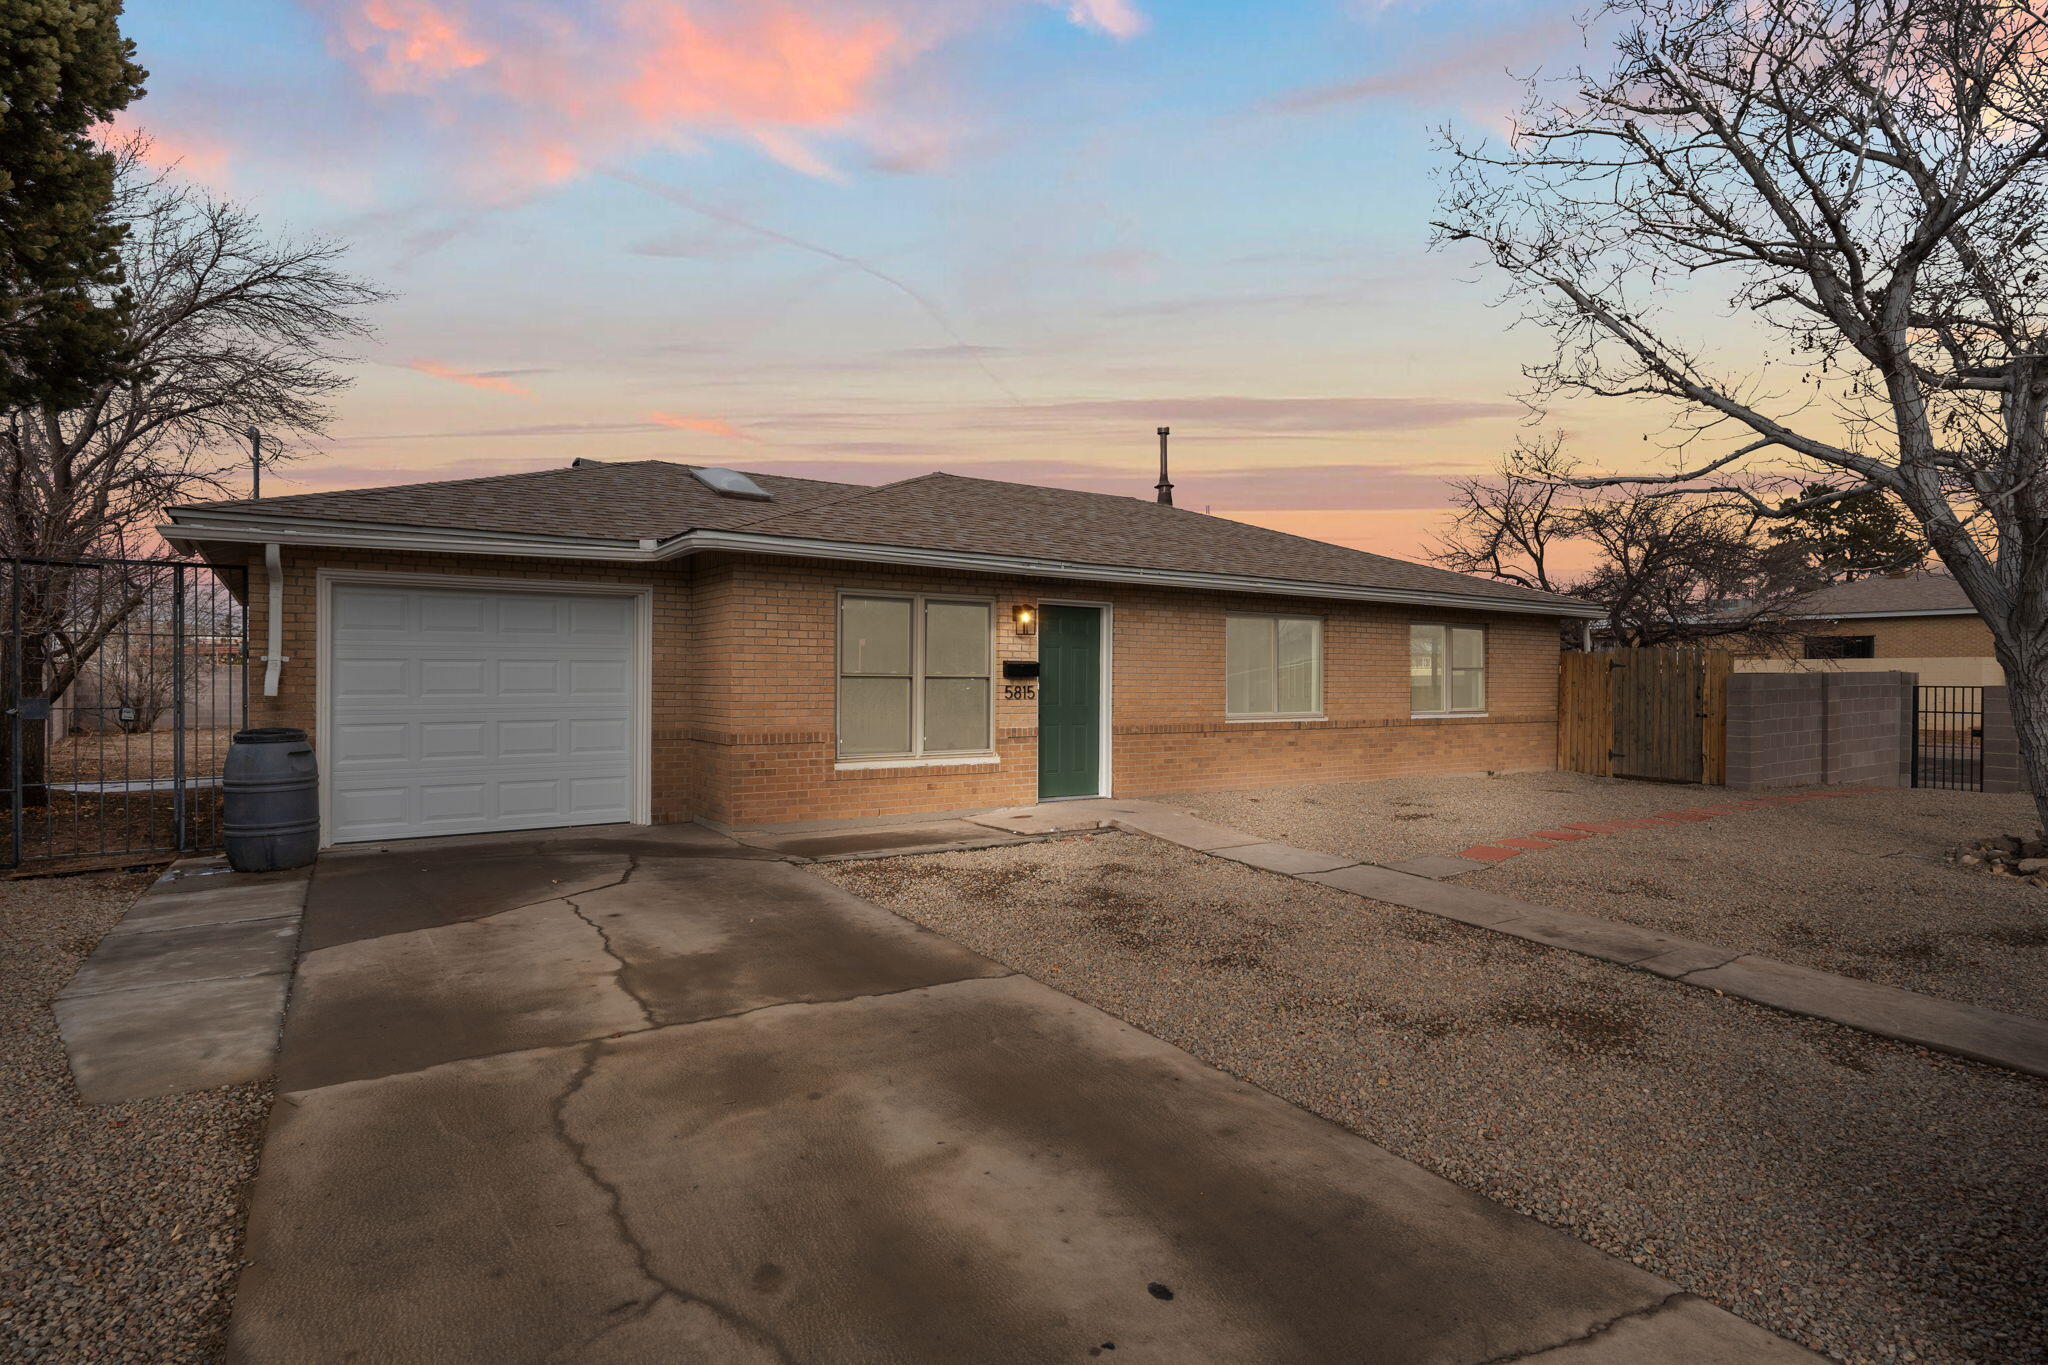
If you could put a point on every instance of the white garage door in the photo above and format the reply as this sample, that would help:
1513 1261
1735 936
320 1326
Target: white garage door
455 710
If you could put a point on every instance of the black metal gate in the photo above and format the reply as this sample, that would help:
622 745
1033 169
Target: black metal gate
1948 738
124 681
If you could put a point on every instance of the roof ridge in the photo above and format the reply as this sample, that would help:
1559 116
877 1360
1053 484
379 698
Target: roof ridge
425 483
1252 525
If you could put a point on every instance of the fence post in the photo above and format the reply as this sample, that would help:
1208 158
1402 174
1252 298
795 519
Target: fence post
16 816
179 813
2001 749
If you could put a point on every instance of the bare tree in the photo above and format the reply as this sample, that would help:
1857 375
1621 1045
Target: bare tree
228 327
1866 181
1668 570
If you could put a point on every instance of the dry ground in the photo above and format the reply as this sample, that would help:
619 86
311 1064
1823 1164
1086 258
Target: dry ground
85 825
1871 1200
120 1226
111 755
1854 885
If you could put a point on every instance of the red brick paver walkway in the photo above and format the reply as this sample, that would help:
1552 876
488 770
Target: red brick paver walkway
1502 849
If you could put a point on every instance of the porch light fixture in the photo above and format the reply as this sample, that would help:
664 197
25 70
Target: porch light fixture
1025 615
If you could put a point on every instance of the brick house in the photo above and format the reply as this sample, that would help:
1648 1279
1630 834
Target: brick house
661 642
1916 623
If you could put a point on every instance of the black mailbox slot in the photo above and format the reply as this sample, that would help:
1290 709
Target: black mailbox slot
1020 668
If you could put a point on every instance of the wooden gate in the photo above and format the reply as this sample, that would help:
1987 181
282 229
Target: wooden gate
1656 714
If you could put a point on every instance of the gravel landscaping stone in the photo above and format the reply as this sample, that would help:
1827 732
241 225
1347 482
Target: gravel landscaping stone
122 1224
1856 886
1870 1200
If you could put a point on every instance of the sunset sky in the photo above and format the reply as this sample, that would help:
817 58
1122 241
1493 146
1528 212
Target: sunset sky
866 239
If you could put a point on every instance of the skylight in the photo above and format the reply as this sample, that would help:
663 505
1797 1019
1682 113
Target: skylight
730 483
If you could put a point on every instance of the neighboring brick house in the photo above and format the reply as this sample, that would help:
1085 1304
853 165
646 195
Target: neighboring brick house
1917 622
658 642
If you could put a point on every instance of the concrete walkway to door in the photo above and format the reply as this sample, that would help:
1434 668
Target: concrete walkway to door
650 1095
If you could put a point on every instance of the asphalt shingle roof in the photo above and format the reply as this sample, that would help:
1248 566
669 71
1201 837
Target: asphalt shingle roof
1912 592
654 499
637 500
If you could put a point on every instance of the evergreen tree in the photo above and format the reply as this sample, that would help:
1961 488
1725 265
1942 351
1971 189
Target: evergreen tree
64 67
1853 537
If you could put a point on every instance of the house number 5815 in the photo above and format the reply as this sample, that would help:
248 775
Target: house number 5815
1019 692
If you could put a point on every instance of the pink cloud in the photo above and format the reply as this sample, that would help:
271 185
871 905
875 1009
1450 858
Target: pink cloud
496 383
1117 18
716 426
539 92
199 156
408 44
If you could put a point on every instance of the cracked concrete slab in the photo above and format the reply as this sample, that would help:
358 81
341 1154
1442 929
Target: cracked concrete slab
620 943
1684 961
1685 1327
371 894
979 1170
524 978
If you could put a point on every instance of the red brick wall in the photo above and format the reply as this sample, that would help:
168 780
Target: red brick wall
769 722
745 682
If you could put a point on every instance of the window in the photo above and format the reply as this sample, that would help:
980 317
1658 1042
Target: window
1446 669
914 676
1272 666
1841 646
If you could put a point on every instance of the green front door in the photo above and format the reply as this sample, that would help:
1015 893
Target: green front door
1070 701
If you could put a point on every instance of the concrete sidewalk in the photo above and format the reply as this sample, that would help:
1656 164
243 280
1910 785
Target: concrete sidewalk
187 991
2016 1041
648 1095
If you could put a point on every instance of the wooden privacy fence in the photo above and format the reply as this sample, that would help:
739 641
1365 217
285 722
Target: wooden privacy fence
1659 714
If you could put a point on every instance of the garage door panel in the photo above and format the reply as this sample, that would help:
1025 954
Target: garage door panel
457 710
450 739
370 742
602 618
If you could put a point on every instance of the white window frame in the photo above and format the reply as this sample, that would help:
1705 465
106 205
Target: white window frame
1485 669
917 754
1257 717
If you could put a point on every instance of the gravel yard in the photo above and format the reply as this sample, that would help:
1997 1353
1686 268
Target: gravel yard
121 1224
1870 1200
1854 886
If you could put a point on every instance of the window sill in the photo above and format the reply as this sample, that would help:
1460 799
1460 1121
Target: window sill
949 761
1447 715
1272 720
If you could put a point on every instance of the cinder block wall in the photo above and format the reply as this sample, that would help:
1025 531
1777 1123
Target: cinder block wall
1812 729
2002 772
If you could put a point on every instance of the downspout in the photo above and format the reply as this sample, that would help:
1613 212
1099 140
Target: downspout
273 658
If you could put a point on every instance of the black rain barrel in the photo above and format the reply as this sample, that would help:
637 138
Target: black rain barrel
270 789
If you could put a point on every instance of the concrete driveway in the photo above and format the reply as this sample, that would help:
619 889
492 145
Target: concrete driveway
649 1095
